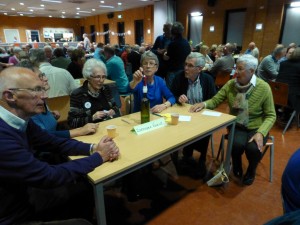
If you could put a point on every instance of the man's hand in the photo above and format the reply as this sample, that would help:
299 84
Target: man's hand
56 114
99 115
197 107
183 99
107 148
259 140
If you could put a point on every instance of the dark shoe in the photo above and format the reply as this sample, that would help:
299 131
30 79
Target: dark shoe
238 173
248 179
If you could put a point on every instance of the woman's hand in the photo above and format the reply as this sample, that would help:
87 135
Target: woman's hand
99 115
259 140
197 107
158 108
183 99
111 113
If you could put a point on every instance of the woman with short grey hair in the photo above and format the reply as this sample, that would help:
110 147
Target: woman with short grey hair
93 101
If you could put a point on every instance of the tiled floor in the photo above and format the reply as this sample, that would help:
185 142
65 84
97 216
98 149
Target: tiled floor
189 201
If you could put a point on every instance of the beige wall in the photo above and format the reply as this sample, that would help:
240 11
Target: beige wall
35 23
270 15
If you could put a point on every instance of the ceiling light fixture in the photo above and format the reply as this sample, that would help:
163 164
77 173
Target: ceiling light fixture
295 4
94 10
21 3
119 3
63 12
77 13
38 8
196 14
50 16
5 14
21 14
102 2
106 6
13 9
31 10
78 8
84 11
52 1
42 5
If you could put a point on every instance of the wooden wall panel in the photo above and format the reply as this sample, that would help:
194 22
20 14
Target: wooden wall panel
268 12
128 17
35 23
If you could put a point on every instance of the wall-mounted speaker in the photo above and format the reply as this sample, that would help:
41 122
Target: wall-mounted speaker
110 15
211 3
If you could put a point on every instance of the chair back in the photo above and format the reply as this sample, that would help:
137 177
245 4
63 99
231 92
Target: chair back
62 105
280 93
222 78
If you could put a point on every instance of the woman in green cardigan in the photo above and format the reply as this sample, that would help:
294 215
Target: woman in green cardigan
250 100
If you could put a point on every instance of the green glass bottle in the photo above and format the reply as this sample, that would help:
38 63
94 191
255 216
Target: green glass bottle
145 104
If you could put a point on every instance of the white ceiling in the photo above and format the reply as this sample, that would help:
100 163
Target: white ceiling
67 8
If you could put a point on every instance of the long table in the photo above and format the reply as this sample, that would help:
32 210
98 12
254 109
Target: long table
139 150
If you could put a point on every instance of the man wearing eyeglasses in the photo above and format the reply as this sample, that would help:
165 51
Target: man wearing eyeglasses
193 86
29 188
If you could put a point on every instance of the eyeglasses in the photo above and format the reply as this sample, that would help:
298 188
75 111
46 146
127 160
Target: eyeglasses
190 66
36 91
149 64
103 77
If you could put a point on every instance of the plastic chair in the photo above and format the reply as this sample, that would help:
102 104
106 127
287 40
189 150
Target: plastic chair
269 145
280 93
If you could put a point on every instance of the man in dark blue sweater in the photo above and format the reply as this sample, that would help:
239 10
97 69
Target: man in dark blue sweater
29 188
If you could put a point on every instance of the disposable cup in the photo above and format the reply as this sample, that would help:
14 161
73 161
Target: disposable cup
111 131
174 118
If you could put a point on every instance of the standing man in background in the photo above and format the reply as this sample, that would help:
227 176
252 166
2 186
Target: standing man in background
86 42
160 47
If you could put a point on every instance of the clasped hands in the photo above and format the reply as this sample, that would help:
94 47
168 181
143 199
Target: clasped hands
107 148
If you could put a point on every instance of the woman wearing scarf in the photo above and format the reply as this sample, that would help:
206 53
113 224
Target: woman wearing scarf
250 100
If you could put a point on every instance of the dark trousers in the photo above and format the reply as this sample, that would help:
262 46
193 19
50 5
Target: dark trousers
73 200
200 146
240 145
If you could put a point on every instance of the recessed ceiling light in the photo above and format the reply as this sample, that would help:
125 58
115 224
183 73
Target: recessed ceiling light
5 14
63 12
93 9
50 16
42 5
119 3
13 9
21 14
31 10
78 8
21 3
77 13
102 2
62 16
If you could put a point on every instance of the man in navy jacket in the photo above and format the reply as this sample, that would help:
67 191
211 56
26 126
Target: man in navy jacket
30 188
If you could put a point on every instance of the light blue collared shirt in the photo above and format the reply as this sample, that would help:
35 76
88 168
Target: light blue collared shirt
12 120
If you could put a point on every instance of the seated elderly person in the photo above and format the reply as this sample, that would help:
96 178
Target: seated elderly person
93 101
15 59
193 86
204 49
32 190
250 100
47 120
77 62
157 89
269 66
60 59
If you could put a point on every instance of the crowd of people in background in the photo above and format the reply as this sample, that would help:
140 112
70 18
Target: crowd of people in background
176 72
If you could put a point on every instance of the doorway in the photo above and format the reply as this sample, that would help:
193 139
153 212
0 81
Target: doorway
93 35
121 37
106 35
139 31
32 36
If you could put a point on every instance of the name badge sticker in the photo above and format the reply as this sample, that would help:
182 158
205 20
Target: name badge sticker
87 105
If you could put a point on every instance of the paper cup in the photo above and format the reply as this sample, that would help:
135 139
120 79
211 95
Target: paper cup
111 131
174 118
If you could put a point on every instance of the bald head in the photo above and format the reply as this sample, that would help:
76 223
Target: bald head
16 77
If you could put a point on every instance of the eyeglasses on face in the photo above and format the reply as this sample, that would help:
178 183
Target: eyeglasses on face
149 64
98 77
36 91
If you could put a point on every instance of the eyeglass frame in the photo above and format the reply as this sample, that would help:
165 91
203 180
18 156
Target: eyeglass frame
37 90
149 64
102 76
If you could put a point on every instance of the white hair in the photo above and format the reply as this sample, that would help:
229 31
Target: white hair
89 66
250 61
